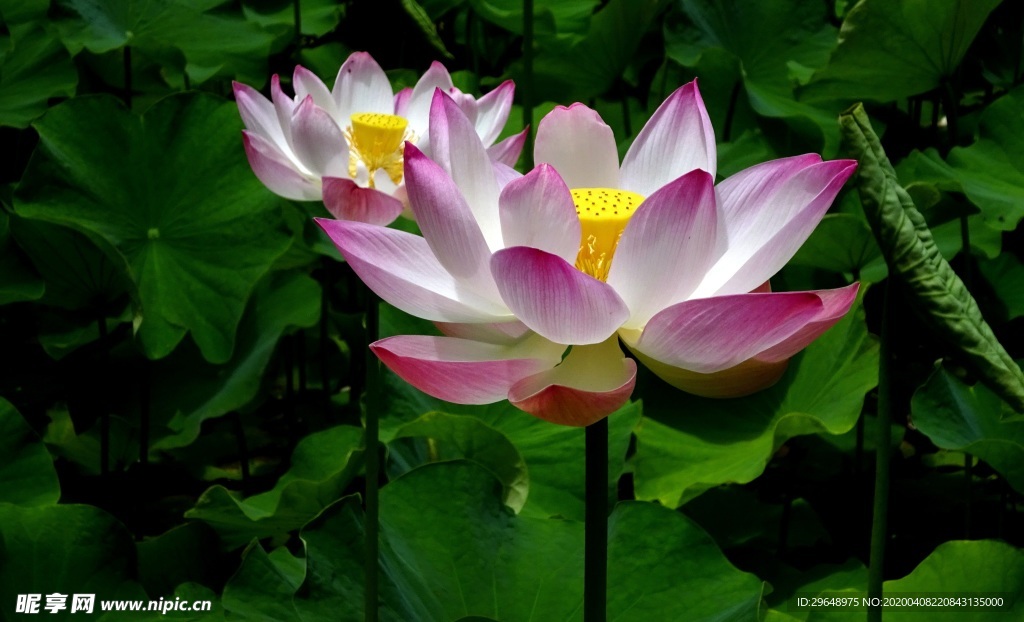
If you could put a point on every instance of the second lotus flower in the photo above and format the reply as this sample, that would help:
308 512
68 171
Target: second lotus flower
345 145
535 279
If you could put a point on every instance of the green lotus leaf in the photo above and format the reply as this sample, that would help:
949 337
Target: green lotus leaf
34 68
936 293
451 549
172 192
199 37
26 468
686 444
323 464
891 50
965 418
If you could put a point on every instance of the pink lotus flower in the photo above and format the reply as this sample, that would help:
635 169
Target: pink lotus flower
345 145
535 284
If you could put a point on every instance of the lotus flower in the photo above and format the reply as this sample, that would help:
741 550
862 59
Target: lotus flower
345 145
535 283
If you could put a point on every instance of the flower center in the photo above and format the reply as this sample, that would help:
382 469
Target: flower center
376 139
603 214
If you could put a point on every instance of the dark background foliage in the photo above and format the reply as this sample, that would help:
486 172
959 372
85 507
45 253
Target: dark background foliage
182 354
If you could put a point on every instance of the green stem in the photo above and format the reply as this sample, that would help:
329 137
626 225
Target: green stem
595 573
127 67
300 355
880 513
144 414
965 238
949 106
297 6
627 122
243 452
372 458
526 85
105 413
734 97
324 337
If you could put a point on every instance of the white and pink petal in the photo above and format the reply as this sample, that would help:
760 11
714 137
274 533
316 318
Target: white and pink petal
537 211
769 211
556 300
592 382
361 86
400 268
666 247
448 223
677 139
259 115
317 141
580 146
493 110
707 335
460 370
835 304
346 200
455 146
277 171
306 83
508 150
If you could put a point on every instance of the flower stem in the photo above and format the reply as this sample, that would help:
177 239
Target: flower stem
297 6
965 238
127 67
101 325
144 398
595 572
372 458
526 86
880 514
324 336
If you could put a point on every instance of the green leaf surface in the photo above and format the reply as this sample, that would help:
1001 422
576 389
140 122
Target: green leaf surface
33 68
983 567
261 589
83 449
426 25
992 169
26 468
551 17
554 454
935 291
172 192
450 549
1005 274
65 549
662 566
186 35
322 466
451 437
21 11
965 418
840 243
187 390
18 282
890 50
319 17
182 554
186 593
590 66
774 42
686 444
83 272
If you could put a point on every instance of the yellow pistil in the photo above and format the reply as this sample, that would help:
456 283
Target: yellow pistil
603 214
377 140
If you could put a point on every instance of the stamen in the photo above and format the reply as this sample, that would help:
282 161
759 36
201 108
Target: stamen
603 214
377 139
